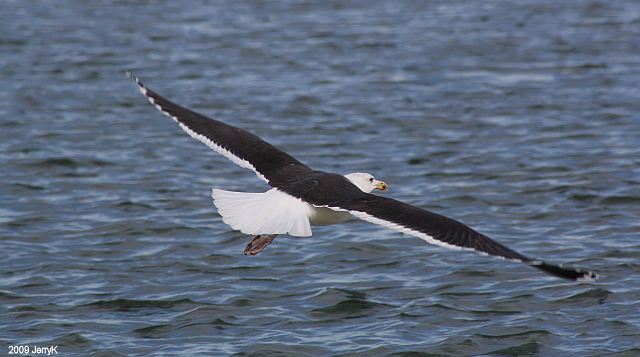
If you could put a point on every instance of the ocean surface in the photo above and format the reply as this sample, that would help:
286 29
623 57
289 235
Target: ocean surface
521 119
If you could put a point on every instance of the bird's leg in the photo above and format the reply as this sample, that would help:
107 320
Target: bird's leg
258 243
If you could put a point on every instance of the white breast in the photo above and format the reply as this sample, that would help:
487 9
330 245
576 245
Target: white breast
322 216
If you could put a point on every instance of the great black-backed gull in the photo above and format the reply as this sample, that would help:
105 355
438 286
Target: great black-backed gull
301 197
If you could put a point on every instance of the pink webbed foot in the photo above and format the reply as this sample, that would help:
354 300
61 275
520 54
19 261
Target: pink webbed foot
258 243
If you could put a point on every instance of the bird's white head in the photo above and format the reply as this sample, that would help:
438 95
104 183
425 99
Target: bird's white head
366 182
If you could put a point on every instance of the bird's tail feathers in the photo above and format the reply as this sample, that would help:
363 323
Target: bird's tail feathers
271 212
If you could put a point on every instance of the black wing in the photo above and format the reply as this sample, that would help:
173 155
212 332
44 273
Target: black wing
443 231
240 146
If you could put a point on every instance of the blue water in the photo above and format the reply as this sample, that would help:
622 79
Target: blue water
520 119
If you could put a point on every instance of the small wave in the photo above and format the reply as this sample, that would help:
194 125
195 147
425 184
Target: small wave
70 163
525 349
597 294
414 354
132 206
583 197
620 200
141 231
57 161
72 342
28 186
474 311
241 302
618 253
7 295
416 160
126 304
337 293
162 330
26 221
349 308
515 334
154 331
106 353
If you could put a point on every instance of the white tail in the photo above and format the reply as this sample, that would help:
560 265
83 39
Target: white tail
271 212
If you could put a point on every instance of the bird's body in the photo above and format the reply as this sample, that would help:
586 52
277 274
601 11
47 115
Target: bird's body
322 216
280 212
301 197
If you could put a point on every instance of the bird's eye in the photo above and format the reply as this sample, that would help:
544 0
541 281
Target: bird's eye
371 179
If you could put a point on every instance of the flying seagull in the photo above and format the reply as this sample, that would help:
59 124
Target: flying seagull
301 196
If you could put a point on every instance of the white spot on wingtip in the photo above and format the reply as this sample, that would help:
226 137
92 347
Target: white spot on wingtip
141 86
132 77
588 277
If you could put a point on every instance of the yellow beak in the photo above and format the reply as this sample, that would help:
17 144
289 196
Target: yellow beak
381 186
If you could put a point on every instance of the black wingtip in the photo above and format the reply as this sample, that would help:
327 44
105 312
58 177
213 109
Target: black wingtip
566 273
